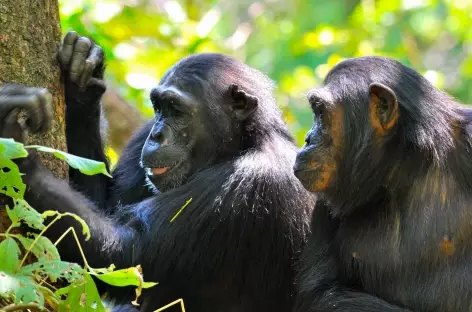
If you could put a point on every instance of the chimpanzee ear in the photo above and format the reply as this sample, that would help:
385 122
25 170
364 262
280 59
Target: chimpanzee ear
384 110
244 104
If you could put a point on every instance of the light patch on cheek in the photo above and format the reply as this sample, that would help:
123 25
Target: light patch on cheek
328 169
325 177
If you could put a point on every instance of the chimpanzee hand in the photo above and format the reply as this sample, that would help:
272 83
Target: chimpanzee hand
35 101
82 62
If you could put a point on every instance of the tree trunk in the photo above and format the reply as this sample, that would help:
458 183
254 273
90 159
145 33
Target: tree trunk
30 35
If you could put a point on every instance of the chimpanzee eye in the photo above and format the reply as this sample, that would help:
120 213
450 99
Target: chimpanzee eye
319 112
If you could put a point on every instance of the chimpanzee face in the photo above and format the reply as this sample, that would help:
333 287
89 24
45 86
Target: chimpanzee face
196 124
352 120
318 159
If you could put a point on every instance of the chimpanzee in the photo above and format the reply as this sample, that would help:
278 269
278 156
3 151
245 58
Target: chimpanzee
391 159
217 139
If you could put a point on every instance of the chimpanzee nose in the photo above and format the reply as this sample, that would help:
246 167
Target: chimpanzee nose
158 137
149 152
308 138
160 134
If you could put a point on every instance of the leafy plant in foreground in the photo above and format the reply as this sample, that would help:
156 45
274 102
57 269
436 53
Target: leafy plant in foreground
31 284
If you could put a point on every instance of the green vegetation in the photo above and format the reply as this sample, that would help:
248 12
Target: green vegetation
294 42
32 274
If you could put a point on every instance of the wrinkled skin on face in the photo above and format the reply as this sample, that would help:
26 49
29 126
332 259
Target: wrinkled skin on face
318 160
167 153
189 133
344 131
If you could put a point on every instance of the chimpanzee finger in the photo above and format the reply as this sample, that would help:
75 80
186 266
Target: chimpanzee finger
12 89
97 82
33 111
67 48
81 51
9 103
44 115
94 60
11 128
86 74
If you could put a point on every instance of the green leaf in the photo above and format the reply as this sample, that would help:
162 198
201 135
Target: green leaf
8 285
84 165
22 288
11 149
103 270
82 296
28 292
85 227
43 249
22 211
53 270
11 183
9 255
49 213
125 277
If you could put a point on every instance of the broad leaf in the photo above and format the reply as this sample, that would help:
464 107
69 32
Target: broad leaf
28 292
11 149
9 256
82 296
43 249
125 277
21 288
84 165
11 183
22 211
53 270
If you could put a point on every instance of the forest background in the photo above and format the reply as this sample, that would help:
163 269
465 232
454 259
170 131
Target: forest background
293 42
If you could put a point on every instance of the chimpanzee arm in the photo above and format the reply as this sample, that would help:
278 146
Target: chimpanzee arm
108 236
318 288
46 192
82 63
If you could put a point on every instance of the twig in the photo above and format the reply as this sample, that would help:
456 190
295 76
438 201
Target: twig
21 307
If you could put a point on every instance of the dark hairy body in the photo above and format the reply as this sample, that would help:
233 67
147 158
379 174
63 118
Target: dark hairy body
390 157
218 139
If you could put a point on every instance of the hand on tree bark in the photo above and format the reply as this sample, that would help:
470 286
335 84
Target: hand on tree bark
36 102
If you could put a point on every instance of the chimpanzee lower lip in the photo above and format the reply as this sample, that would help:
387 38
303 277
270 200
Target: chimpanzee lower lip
149 170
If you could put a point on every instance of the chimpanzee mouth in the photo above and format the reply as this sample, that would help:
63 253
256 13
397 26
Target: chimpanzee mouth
161 169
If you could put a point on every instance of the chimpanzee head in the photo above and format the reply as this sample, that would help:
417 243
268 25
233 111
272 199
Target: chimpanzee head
208 108
372 116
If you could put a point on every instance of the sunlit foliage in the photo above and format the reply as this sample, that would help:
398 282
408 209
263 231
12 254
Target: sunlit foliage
294 42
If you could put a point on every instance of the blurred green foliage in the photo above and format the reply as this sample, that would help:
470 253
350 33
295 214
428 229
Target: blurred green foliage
294 42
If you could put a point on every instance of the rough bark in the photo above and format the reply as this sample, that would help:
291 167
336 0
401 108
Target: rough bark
30 35
123 119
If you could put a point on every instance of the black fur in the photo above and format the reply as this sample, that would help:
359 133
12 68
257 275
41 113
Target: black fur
233 248
392 231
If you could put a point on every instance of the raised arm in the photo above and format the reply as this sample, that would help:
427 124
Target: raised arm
82 64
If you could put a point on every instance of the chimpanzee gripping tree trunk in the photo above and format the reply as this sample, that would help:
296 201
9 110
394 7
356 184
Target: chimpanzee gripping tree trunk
29 36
